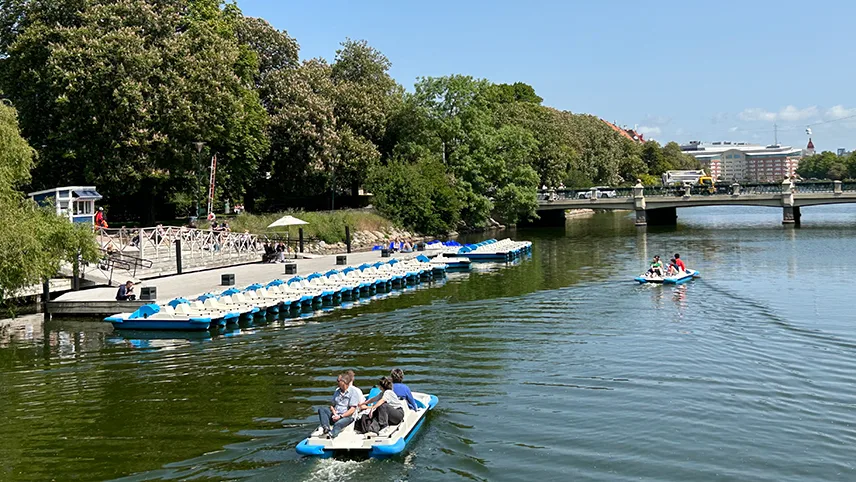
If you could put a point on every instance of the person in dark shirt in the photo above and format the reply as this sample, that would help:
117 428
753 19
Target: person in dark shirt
126 292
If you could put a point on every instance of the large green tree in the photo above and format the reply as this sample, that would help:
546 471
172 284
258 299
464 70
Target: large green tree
34 241
115 93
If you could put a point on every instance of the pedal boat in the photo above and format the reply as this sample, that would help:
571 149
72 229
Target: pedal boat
374 446
680 278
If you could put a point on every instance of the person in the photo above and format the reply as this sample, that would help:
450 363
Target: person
400 389
353 376
340 413
680 264
126 292
656 267
673 268
100 221
387 411
406 247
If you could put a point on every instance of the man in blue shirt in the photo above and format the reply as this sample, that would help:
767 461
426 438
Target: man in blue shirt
341 410
400 389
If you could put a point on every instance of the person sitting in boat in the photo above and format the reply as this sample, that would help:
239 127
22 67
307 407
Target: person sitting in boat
353 376
656 267
387 411
126 292
400 389
340 413
680 264
672 270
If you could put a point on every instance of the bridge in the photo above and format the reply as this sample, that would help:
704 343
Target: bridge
657 205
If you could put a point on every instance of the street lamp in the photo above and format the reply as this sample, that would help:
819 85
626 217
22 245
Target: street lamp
199 145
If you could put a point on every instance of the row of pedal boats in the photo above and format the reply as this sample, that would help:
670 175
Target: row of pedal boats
488 250
298 293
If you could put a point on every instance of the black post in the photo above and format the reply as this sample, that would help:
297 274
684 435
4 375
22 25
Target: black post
348 238
46 297
75 273
178 255
300 234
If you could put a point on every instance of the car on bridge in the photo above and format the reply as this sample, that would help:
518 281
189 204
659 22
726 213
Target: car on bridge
602 191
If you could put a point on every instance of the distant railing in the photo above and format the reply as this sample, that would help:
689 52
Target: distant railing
721 188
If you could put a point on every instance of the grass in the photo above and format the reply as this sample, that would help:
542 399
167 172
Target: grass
328 226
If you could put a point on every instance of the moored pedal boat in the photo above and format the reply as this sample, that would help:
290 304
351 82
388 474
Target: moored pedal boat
152 317
390 444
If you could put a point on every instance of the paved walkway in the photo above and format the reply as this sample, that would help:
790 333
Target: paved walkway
197 283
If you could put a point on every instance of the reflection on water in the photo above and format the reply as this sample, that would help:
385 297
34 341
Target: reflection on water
556 365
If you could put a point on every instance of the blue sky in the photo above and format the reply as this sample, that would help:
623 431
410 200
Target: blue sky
681 70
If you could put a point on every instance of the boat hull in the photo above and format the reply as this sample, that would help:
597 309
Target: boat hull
669 280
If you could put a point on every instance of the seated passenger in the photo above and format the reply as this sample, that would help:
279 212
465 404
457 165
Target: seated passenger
402 390
387 410
340 412
680 264
656 267
673 268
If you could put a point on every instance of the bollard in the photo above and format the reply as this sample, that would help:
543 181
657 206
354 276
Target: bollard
384 253
341 260
348 238
46 297
290 268
148 293
420 246
300 233
227 279
178 256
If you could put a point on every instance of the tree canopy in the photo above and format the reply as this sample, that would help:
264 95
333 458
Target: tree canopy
135 96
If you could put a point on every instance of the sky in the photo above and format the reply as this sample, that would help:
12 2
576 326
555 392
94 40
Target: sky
679 70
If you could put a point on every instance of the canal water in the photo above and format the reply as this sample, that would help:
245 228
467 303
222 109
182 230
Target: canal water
554 368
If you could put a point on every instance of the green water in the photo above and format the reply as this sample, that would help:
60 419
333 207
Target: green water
553 368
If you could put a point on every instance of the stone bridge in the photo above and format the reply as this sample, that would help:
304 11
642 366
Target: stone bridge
657 205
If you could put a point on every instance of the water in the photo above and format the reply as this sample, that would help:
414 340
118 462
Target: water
555 368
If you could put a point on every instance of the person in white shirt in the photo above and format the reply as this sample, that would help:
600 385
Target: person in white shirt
388 409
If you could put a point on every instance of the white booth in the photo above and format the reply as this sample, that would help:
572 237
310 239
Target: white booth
75 202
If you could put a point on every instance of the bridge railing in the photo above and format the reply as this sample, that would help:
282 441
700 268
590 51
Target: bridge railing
814 186
848 186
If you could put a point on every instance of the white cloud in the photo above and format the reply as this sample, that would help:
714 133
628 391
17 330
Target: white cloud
839 112
679 131
733 129
788 113
650 130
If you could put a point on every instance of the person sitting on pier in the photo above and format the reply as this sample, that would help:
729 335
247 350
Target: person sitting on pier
126 292
387 411
656 267
406 247
680 264
340 413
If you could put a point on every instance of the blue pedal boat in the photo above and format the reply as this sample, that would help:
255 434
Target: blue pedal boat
390 444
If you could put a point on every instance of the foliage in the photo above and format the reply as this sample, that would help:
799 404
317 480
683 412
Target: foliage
117 92
828 165
328 226
419 196
34 241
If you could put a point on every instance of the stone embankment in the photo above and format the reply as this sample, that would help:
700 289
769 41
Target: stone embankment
365 240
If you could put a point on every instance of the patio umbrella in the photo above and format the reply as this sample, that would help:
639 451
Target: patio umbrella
286 221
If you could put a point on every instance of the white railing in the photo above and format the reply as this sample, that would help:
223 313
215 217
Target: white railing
199 248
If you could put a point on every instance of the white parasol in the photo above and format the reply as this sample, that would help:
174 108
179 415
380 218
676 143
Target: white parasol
287 221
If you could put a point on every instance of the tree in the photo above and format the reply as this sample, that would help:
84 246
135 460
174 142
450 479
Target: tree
115 93
675 158
33 241
420 195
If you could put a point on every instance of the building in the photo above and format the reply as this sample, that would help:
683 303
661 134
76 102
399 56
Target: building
627 133
75 202
809 148
745 162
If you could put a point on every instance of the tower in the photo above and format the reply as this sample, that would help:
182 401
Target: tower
809 149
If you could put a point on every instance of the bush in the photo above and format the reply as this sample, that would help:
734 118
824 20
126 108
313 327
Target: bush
419 196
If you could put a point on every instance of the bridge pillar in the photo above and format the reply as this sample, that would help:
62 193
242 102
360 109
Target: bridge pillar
791 215
639 203
836 187
641 218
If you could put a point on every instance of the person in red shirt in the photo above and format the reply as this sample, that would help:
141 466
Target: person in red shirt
680 264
